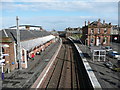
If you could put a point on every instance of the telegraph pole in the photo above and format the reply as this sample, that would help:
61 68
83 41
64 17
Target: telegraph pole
18 45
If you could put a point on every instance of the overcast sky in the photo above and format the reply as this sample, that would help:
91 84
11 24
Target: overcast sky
57 14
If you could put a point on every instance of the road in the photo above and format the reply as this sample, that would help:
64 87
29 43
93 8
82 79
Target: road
115 46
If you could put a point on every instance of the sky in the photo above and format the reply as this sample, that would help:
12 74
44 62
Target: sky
57 14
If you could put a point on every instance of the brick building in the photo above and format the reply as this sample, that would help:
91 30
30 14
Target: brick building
114 30
96 33
8 49
71 31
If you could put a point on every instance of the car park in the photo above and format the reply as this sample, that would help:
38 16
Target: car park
107 48
111 66
114 54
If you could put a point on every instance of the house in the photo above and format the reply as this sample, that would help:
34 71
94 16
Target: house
31 41
71 31
96 33
114 30
115 34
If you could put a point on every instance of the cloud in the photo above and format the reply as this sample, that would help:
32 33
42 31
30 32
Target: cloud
59 0
106 0
63 6
72 13
55 22
29 0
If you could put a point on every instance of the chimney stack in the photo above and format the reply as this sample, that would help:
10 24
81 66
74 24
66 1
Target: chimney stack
103 22
109 23
99 20
85 23
88 22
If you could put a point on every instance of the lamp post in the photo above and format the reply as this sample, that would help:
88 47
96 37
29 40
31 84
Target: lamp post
18 45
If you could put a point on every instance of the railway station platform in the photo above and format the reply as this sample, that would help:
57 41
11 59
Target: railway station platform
26 77
106 78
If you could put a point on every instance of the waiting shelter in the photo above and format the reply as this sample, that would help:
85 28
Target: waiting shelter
98 54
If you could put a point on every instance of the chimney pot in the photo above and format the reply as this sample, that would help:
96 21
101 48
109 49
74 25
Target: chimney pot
99 20
103 22
109 23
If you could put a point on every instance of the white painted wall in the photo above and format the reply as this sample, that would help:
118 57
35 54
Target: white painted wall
23 27
29 44
15 52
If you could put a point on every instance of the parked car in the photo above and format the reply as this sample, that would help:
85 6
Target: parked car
107 48
111 66
113 54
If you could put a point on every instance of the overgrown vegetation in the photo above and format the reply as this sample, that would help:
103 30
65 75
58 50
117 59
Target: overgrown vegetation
77 36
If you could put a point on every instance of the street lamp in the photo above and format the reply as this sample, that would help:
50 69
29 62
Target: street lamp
18 45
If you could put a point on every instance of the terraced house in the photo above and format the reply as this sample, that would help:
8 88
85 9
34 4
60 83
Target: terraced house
31 41
96 33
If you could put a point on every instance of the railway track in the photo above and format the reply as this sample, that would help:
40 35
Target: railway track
67 70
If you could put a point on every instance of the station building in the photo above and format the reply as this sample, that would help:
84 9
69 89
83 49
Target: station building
73 31
96 33
31 41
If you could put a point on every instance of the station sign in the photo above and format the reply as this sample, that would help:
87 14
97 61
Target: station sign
1 61
5 54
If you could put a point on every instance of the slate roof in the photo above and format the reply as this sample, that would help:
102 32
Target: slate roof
94 23
24 34
29 38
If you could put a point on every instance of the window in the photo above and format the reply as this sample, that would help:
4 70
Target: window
92 31
105 40
105 31
98 30
3 50
91 41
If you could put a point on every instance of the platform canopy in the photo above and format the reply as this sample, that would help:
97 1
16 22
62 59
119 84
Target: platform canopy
30 44
98 54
